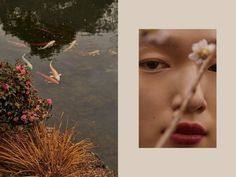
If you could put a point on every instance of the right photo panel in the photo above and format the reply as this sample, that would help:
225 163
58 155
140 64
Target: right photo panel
177 88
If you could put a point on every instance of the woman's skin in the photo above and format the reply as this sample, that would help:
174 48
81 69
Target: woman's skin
165 75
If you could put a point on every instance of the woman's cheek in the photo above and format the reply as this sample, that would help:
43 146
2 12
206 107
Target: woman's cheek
209 85
154 114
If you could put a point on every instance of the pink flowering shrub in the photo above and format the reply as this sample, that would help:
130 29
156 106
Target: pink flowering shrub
19 101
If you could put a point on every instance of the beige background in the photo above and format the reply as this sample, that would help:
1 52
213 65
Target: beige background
135 162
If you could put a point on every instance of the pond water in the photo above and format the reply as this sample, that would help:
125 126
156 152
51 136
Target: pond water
88 90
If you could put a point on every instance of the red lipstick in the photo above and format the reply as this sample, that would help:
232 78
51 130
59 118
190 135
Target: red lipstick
188 133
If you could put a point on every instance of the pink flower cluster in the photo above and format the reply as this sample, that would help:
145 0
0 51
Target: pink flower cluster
49 101
28 83
29 116
24 106
5 87
21 69
23 117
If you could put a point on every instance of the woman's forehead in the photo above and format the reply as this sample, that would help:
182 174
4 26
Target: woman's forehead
183 32
192 35
180 40
193 32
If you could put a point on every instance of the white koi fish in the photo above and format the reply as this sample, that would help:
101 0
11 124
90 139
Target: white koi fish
72 44
27 62
94 53
112 52
50 44
54 72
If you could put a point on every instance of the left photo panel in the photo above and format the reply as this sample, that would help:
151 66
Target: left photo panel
59 88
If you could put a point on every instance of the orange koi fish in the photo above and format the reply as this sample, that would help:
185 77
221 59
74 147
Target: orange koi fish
49 79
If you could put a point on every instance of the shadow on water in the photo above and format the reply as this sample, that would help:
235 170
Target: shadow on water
87 93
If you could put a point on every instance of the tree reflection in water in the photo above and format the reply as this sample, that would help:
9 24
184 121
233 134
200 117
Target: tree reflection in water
40 21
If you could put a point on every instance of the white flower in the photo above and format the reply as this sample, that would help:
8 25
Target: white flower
201 50
157 36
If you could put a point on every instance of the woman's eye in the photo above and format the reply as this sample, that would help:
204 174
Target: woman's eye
153 65
212 68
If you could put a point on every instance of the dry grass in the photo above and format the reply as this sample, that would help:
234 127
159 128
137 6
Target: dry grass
42 153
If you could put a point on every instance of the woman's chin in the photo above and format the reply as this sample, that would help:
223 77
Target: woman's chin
203 143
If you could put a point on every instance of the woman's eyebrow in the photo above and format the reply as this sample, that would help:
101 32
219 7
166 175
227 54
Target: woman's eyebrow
145 48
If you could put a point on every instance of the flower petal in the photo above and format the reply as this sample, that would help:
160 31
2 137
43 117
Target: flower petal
196 47
193 56
158 37
203 43
211 47
162 36
199 61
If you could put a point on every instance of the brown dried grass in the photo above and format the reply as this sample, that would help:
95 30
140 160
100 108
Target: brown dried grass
42 153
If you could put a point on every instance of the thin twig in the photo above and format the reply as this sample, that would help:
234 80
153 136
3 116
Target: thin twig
178 114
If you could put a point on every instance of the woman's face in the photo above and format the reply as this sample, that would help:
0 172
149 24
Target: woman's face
165 75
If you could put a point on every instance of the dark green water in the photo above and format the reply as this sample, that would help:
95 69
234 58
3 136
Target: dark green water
87 93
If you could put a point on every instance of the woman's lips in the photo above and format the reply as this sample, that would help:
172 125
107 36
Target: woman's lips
188 133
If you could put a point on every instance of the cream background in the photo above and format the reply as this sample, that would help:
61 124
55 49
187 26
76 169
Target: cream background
218 162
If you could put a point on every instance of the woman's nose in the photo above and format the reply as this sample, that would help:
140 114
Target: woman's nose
197 103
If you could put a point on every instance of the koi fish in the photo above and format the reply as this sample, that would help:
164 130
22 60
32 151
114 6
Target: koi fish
94 53
27 62
112 52
18 44
72 44
49 44
47 78
54 72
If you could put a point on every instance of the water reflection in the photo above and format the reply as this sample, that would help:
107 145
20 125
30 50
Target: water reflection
88 92
42 21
